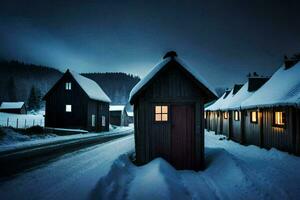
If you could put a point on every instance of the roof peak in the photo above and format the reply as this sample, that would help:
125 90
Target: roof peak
170 54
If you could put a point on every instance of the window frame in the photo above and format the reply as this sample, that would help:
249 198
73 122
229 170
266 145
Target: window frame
68 86
238 115
284 119
251 117
66 108
161 113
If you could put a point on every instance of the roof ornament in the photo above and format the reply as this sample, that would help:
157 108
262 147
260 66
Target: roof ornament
170 54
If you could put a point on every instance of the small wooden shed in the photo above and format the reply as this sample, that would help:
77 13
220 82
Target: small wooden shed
77 102
13 107
169 114
118 115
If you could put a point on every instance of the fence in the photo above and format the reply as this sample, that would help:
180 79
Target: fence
21 122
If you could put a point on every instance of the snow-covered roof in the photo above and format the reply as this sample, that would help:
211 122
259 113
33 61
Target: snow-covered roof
159 66
130 114
216 105
90 87
283 88
116 107
239 97
11 105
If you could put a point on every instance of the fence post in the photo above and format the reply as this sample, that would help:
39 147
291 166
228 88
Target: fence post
25 124
7 122
33 123
17 122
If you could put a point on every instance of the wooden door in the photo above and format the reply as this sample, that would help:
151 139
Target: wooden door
183 136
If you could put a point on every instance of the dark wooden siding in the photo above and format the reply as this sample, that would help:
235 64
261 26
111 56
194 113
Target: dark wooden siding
56 115
236 132
153 139
225 124
252 130
82 107
280 138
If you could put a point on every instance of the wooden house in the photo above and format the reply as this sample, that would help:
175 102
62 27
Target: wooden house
77 102
13 107
169 114
276 106
118 115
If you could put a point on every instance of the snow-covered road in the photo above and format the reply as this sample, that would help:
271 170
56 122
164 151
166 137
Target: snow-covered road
233 171
72 176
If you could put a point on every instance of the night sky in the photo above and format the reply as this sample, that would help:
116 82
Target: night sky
224 40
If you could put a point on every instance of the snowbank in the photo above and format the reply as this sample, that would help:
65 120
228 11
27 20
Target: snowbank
233 172
13 140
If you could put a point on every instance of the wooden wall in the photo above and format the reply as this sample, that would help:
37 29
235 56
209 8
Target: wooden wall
82 107
152 139
252 130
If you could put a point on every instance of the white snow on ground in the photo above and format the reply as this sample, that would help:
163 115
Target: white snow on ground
72 176
13 140
233 172
21 120
104 172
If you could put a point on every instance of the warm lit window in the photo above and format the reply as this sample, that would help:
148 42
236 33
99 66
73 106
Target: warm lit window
253 117
161 113
68 108
279 118
225 115
93 120
68 86
103 121
236 115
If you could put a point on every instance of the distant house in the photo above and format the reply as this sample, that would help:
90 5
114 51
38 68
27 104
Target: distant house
13 107
169 114
264 112
117 115
77 102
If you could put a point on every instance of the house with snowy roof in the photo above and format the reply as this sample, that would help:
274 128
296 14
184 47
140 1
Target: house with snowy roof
13 107
77 102
217 117
277 106
169 114
264 112
118 115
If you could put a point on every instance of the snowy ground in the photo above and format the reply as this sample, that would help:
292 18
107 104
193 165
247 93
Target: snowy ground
13 140
21 120
233 172
105 172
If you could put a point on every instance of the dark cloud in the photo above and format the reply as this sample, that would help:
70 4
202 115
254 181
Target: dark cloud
222 39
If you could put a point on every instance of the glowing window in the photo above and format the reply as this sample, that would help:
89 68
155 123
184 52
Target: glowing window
225 115
253 117
236 115
68 86
93 120
68 108
204 115
161 113
279 118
